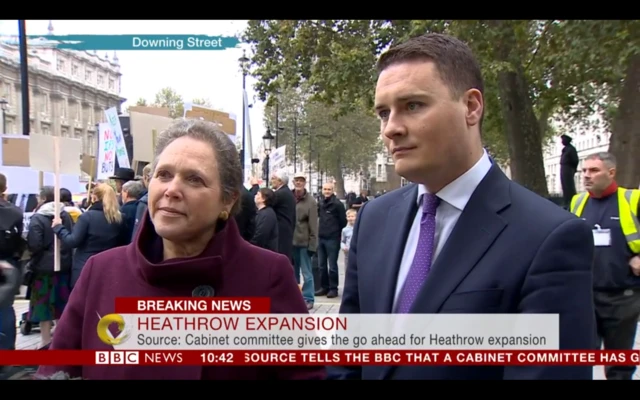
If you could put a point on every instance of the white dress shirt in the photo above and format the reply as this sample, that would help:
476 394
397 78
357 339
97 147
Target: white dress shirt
454 198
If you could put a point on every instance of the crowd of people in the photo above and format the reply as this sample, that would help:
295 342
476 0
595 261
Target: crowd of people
102 221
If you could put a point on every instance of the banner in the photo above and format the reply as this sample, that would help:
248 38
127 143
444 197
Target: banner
106 151
277 160
121 149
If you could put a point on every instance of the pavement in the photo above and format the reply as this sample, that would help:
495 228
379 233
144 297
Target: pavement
322 306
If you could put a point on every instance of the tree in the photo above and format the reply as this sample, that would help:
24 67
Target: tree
141 102
336 60
167 97
596 69
335 143
201 102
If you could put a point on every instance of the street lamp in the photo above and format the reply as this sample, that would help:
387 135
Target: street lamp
267 140
3 105
244 65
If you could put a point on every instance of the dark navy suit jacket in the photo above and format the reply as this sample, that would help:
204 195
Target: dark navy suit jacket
511 251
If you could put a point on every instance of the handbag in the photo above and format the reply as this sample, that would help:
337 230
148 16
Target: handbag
28 274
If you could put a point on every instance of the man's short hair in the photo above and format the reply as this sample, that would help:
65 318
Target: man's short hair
607 158
457 66
3 183
134 189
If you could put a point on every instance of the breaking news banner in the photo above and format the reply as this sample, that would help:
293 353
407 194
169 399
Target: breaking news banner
129 42
242 331
322 357
246 324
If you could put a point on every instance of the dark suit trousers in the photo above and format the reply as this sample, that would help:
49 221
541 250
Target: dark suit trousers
328 251
617 321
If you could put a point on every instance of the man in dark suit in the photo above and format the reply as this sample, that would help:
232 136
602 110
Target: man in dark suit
285 208
482 243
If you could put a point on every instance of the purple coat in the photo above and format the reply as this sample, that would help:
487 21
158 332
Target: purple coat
229 264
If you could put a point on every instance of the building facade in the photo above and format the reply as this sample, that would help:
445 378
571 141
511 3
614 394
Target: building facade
587 143
68 91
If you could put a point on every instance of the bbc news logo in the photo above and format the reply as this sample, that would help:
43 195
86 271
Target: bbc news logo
117 357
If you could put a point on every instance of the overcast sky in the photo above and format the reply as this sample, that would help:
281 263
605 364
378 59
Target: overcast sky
214 75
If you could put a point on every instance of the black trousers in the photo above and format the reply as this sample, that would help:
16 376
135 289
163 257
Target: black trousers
617 321
568 184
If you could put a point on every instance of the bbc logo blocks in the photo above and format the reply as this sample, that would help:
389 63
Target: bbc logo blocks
117 357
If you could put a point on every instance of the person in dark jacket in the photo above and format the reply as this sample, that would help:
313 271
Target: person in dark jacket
122 176
11 248
266 231
49 289
332 218
143 203
132 192
98 229
568 166
247 215
285 208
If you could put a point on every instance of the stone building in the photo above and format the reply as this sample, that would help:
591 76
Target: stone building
69 91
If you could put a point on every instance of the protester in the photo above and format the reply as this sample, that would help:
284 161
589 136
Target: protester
285 208
49 290
67 199
141 210
332 218
188 242
132 192
266 222
100 228
11 248
305 238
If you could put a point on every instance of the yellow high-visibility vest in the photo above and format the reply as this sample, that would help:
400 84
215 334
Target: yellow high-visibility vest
628 200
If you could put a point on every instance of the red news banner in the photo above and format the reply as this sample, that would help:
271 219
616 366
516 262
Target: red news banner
193 305
327 358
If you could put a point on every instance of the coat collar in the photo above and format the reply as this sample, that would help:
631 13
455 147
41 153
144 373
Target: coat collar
204 269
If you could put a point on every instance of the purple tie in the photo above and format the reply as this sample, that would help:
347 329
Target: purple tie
424 254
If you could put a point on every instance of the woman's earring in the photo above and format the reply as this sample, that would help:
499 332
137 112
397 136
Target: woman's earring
224 215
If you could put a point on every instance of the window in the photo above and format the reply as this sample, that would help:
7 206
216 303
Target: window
100 80
63 132
45 129
44 104
75 70
90 145
88 75
61 65
112 84
379 170
63 109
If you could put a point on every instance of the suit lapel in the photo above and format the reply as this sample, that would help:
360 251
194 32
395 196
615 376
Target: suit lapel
476 230
398 224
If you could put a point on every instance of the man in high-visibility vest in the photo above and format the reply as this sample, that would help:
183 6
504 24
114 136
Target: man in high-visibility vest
612 211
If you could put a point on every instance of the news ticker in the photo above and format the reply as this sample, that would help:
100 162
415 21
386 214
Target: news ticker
321 358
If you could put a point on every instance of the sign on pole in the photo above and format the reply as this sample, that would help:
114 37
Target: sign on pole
121 149
63 160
